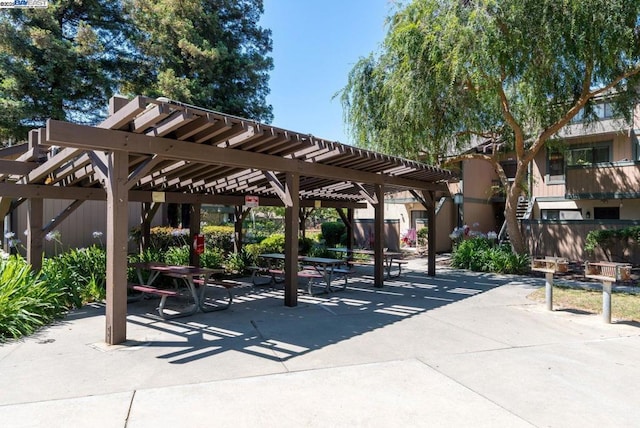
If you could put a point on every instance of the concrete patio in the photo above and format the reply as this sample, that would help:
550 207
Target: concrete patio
460 349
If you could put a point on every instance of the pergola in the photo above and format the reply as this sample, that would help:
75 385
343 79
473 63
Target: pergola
158 151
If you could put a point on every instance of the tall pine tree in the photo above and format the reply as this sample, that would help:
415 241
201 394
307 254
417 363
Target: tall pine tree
211 53
61 62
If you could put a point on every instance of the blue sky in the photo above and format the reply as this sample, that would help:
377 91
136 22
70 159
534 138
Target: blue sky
315 45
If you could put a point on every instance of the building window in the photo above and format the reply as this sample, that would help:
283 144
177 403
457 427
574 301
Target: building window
602 110
555 165
558 159
606 213
550 214
564 214
589 155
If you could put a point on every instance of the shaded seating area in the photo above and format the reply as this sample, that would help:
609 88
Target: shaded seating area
155 151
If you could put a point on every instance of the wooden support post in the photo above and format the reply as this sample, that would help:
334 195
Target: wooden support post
431 237
348 222
291 220
117 234
35 215
378 233
194 230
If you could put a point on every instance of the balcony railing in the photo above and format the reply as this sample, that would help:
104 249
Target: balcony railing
603 181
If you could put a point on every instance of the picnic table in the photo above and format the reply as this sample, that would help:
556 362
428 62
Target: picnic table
607 273
390 258
311 269
194 279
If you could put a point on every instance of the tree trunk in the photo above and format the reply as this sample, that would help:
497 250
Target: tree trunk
510 212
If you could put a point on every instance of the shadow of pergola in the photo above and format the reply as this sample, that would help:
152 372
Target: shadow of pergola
258 324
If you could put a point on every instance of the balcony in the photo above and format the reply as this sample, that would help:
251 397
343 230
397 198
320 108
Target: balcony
603 181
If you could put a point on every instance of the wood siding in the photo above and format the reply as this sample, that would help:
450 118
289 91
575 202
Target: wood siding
592 180
567 239
77 230
599 181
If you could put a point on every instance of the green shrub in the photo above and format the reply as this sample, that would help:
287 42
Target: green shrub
177 255
163 237
80 273
219 237
238 262
27 302
252 251
611 241
332 232
481 255
272 244
211 258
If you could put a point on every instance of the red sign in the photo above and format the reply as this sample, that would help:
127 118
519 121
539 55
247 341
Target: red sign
198 244
251 201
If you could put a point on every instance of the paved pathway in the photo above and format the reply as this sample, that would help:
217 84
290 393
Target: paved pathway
461 349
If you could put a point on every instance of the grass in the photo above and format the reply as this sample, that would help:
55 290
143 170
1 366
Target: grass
624 306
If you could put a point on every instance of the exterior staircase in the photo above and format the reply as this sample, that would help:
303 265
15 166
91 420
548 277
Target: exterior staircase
523 212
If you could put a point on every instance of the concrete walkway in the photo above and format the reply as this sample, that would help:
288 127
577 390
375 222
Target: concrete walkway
461 349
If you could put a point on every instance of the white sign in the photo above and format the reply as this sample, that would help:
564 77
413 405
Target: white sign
251 201
12 4
157 196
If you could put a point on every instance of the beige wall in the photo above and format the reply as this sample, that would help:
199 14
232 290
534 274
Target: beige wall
477 182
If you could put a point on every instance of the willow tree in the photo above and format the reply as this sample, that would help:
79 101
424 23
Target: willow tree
451 73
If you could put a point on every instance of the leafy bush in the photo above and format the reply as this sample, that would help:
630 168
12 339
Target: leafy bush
252 251
79 273
164 237
211 258
26 301
612 240
272 244
481 255
238 262
332 232
219 237
177 255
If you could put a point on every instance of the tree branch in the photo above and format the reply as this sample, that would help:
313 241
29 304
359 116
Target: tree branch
585 96
511 121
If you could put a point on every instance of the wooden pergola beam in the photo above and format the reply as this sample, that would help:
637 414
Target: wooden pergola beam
98 194
86 137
